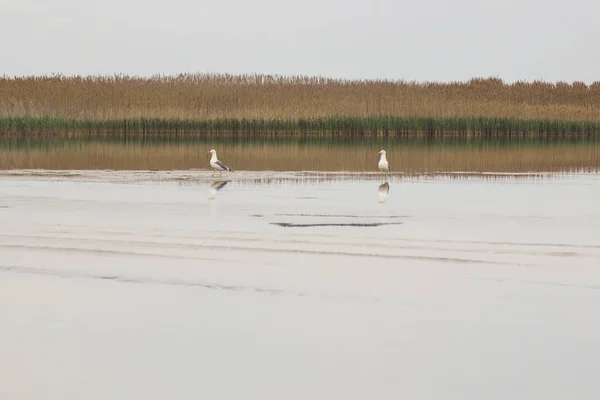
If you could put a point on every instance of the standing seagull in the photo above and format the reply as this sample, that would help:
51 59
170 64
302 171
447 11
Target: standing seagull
383 162
217 165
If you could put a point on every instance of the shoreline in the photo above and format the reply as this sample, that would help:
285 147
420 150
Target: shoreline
205 175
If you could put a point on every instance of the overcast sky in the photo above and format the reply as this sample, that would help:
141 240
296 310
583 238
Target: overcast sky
423 40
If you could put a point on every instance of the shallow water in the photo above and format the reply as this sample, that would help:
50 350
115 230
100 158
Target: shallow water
276 285
408 154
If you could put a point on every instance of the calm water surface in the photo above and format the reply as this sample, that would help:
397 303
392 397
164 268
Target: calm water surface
302 288
290 153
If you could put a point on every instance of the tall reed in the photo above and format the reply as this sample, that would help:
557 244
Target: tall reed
265 103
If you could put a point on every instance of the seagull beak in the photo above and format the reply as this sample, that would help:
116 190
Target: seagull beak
379 153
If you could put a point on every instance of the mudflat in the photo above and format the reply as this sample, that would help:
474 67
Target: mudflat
172 284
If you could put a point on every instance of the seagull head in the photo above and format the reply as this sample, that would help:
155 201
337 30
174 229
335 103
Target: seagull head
212 151
382 152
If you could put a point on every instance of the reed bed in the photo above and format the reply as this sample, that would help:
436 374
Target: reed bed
213 103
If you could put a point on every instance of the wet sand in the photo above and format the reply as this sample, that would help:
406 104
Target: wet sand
298 285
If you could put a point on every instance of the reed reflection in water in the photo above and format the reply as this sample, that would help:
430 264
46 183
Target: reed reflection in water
291 153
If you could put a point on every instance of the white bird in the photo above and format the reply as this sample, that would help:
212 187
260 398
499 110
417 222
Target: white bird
217 165
383 162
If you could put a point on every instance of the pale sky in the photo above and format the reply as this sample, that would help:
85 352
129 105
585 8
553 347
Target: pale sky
422 40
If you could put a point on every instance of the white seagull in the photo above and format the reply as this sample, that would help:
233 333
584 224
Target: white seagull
217 165
383 162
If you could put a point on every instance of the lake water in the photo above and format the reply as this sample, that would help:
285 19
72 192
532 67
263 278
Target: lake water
169 284
408 154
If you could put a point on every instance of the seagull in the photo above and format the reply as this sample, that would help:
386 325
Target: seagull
217 165
383 163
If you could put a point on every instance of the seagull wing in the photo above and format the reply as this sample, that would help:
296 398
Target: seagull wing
223 166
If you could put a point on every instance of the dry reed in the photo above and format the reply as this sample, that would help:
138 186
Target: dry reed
259 103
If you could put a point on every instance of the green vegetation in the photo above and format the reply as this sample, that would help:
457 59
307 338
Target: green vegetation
332 125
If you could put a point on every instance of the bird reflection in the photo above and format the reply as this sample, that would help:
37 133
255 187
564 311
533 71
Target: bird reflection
216 186
383 190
